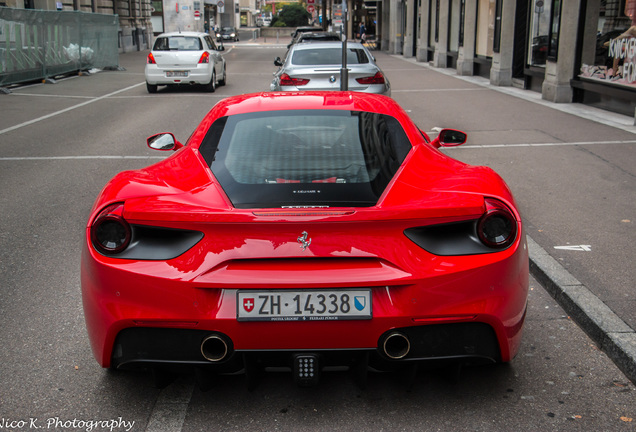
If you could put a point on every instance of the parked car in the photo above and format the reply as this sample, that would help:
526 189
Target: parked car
305 230
263 21
304 29
321 36
316 66
228 34
185 58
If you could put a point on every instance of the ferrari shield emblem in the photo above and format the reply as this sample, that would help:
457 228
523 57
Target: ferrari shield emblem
360 302
248 304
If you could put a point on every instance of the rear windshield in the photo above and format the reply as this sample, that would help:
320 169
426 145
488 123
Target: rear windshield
328 56
178 43
305 158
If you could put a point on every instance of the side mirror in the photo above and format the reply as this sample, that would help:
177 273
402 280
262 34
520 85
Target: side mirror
278 62
164 142
220 48
449 138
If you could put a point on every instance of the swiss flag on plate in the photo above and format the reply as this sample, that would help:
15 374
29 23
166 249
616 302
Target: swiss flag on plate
248 304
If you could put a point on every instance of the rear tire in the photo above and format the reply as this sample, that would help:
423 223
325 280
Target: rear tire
223 80
211 86
152 88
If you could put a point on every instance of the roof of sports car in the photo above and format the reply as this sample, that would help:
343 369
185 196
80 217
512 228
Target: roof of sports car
334 100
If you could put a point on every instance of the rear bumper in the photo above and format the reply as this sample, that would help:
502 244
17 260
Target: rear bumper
445 316
472 342
201 74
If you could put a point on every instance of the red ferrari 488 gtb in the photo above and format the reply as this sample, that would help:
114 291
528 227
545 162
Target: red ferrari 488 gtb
307 230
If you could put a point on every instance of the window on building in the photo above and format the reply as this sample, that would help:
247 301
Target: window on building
610 57
433 21
545 21
486 16
454 28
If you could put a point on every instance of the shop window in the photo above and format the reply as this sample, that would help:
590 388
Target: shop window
486 17
613 58
462 20
497 36
545 21
454 28
433 23
555 22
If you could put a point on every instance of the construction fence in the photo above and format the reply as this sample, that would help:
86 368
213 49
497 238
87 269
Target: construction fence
38 44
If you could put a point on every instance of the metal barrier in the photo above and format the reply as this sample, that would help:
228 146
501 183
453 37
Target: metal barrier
36 44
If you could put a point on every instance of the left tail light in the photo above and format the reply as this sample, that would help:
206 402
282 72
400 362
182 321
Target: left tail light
151 59
378 78
205 57
110 233
497 228
286 80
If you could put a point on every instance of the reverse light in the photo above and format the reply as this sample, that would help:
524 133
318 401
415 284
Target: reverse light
378 78
110 233
205 57
150 59
286 80
497 228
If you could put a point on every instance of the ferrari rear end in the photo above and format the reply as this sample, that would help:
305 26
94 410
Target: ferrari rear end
305 239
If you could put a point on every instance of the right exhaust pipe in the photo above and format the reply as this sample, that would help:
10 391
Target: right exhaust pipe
214 348
396 345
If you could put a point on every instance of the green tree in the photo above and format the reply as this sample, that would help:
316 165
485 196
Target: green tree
293 15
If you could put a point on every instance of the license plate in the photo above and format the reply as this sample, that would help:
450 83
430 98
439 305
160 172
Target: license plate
182 74
305 305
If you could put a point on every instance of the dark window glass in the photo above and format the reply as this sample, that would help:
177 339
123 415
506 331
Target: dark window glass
305 158
178 43
328 56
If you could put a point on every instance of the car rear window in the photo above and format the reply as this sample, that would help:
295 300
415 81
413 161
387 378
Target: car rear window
328 56
178 43
305 158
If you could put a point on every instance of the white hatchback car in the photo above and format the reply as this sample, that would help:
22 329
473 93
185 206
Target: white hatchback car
185 58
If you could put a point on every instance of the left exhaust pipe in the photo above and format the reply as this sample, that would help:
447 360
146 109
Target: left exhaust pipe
214 348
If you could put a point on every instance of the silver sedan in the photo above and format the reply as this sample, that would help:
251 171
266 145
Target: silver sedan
317 66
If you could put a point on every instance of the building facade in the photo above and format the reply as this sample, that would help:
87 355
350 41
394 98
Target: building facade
568 50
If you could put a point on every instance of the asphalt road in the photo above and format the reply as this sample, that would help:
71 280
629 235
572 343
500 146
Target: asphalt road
61 143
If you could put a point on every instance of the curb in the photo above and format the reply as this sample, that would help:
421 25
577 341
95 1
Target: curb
602 325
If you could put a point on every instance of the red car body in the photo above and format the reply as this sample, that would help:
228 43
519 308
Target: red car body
449 305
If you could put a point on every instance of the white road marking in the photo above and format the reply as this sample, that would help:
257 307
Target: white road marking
480 146
33 158
578 248
171 407
553 144
56 113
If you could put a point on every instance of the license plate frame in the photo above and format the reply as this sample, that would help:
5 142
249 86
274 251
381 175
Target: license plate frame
304 305
176 74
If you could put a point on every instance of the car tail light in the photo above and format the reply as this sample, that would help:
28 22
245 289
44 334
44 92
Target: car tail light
151 59
378 78
205 57
286 80
497 228
110 233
